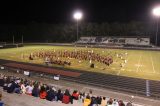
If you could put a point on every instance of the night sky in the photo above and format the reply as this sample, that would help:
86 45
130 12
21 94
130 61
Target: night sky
61 11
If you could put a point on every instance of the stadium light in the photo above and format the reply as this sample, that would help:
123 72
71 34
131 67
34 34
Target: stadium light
77 15
156 12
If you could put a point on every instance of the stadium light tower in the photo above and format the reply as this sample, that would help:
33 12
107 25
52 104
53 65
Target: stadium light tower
78 16
156 12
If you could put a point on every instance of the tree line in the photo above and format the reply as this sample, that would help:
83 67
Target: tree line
45 32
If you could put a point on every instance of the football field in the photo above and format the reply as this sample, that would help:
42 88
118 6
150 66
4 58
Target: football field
131 63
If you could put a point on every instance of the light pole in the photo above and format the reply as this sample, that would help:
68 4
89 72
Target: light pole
156 12
77 15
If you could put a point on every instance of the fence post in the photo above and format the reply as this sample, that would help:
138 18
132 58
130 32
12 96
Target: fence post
147 88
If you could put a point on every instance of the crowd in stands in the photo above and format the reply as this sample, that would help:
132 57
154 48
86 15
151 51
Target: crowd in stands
53 57
21 86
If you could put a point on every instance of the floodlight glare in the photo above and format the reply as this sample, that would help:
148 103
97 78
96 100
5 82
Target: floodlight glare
77 15
156 11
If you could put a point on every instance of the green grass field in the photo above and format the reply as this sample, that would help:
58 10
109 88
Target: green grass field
140 63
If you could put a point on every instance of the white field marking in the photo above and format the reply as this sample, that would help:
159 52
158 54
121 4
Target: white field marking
123 66
152 65
122 69
118 72
139 63
113 68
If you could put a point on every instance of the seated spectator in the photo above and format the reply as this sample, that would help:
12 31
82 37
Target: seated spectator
35 91
81 98
50 95
29 89
104 102
23 88
11 87
87 101
99 100
115 102
109 102
94 101
120 102
17 87
43 93
75 95
59 95
66 97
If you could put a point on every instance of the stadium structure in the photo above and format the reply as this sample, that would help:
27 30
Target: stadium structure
116 40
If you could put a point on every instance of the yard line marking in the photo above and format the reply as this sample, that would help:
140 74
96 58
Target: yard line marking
119 72
123 66
152 65
139 63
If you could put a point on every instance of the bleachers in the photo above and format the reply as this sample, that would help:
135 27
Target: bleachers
86 40
13 81
141 41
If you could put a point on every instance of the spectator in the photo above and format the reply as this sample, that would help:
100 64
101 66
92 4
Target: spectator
50 95
87 101
11 87
17 87
75 95
67 97
99 100
120 102
23 88
43 92
29 89
93 101
35 91
109 102
59 95
115 102
104 101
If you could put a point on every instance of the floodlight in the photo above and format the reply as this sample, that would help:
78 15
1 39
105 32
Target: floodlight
156 11
77 15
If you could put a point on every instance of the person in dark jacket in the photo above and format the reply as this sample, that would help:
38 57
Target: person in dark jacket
50 95
11 87
59 95
17 88
35 91
93 101
1 82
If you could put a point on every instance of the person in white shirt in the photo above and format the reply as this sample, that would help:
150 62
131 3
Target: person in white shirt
29 89
23 88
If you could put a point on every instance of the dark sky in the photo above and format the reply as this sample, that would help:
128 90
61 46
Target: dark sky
60 11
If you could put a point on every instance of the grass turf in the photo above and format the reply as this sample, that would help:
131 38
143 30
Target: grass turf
140 63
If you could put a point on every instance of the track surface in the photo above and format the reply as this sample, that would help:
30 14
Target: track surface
127 84
42 69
